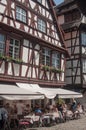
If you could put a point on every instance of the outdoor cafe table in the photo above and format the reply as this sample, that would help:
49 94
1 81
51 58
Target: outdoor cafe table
32 118
49 117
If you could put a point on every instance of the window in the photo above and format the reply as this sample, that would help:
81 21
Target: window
14 48
46 56
41 25
20 14
83 38
84 66
56 60
2 44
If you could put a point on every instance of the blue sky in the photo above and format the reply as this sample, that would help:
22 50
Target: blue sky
58 1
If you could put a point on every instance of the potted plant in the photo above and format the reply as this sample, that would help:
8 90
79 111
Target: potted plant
2 57
46 67
53 69
19 61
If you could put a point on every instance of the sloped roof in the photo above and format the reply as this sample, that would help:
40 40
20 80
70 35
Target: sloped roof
52 4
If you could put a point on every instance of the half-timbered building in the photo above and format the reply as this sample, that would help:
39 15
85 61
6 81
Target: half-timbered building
32 49
73 24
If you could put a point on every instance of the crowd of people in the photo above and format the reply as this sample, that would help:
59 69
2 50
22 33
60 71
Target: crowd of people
61 111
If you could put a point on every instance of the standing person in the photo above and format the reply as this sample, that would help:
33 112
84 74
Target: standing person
20 109
8 108
27 109
3 115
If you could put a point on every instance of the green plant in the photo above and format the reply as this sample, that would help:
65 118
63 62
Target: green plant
8 58
59 101
2 57
53 69
45 67
19 61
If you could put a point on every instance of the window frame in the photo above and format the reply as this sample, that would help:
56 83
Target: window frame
83 38
18 19
40 26
3 46
14 48
56 62
46 56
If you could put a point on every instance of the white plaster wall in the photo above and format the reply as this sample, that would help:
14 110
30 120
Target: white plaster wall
34 74
29 72
32 3
62 77
4 1
2 68
25 55
41 74
37 58
16 68
62 64
9 69
24 69
2 8
5 20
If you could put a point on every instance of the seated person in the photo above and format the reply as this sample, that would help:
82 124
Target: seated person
37 110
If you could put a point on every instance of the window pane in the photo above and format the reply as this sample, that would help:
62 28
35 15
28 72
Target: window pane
46 56
56 60
83 38
20 14
2 44
41 25
14 48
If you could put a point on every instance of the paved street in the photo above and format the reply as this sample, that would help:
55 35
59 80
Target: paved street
79 124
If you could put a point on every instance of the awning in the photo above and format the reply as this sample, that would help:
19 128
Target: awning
13 92
20 97
51 92
36 88
63 93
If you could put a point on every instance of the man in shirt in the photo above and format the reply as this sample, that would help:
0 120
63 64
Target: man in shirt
20 109
3 115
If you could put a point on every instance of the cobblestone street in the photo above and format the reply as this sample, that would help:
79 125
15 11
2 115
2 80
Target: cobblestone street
79 124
